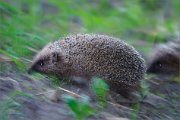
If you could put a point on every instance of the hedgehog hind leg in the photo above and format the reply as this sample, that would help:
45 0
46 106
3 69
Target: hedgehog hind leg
125 97
129 94
126 93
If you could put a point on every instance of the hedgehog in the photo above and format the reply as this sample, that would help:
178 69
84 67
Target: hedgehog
165 58
93 55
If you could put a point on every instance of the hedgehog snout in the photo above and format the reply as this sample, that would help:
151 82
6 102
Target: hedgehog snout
32 69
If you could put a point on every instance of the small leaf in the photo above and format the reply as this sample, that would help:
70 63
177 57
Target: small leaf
100 87
81 108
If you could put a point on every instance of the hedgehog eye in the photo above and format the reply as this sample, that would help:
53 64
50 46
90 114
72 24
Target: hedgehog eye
160 65
41 63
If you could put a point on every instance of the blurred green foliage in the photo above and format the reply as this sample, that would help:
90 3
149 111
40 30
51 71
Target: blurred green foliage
7 108
81 108
135 111
11 107
101 89
27 25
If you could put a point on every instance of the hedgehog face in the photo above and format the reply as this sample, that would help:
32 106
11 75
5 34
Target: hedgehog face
164 65
46 63
52 59
48 60
156 67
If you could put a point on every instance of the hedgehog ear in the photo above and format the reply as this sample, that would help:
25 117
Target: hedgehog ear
55 57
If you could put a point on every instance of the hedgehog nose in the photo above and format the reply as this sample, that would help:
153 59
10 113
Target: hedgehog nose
30 71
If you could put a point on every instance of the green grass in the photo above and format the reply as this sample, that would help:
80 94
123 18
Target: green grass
30 26
7 108
81 109
10 106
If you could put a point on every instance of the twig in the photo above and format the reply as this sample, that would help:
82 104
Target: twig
42 93
70 92
153 82
4 58
120 106
64 90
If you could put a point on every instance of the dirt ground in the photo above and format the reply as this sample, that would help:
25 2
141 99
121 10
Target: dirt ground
37 102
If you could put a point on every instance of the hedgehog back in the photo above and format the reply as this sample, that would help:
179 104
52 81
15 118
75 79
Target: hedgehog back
103 56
